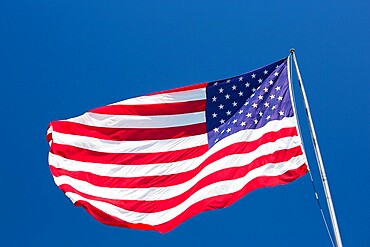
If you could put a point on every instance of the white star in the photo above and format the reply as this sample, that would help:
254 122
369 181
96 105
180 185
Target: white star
216 140
214 115
221 106
215 84
280 98
276 74
222 131
241 93
253 89
277 66
277 88
246 103
221 90
228 130
265 72
233 87
241 78
260 80
249 114
254 105
271 82
252 95
214 98
260 97
272 96
235 103
255 121
215 130
241 111
234 121
253 75
266 104
247 84
228 81
268 117
265 89
228 113
242 124
274 107
227 96
281 113
260 113
222 121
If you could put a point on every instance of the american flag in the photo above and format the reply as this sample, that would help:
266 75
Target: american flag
154 161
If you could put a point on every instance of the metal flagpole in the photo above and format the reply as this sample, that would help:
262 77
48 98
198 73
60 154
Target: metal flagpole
324 179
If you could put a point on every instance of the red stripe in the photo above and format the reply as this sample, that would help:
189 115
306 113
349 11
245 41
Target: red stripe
153 109
49 137
181 89
128 134
212 203
109 219
221 175
80 154
174 179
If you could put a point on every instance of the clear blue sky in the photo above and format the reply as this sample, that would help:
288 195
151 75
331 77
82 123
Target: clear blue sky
61 58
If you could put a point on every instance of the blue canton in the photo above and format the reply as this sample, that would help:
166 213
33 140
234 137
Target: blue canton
247 101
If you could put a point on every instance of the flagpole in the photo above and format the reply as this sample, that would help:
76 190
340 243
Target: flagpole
324 179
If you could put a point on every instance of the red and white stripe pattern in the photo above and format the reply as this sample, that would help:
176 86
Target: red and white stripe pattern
145 162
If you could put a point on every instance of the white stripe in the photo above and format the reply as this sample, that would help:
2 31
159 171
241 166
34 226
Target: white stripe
162 193
122 170
184 96
50 130
151 146
216 189
132 121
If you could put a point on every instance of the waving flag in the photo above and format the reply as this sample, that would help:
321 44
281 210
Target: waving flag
154 161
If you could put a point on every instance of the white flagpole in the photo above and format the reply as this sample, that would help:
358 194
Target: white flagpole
324 179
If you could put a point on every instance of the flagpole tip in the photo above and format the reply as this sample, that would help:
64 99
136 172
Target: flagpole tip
292 50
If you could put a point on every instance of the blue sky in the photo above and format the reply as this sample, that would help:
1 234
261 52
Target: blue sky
59 59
